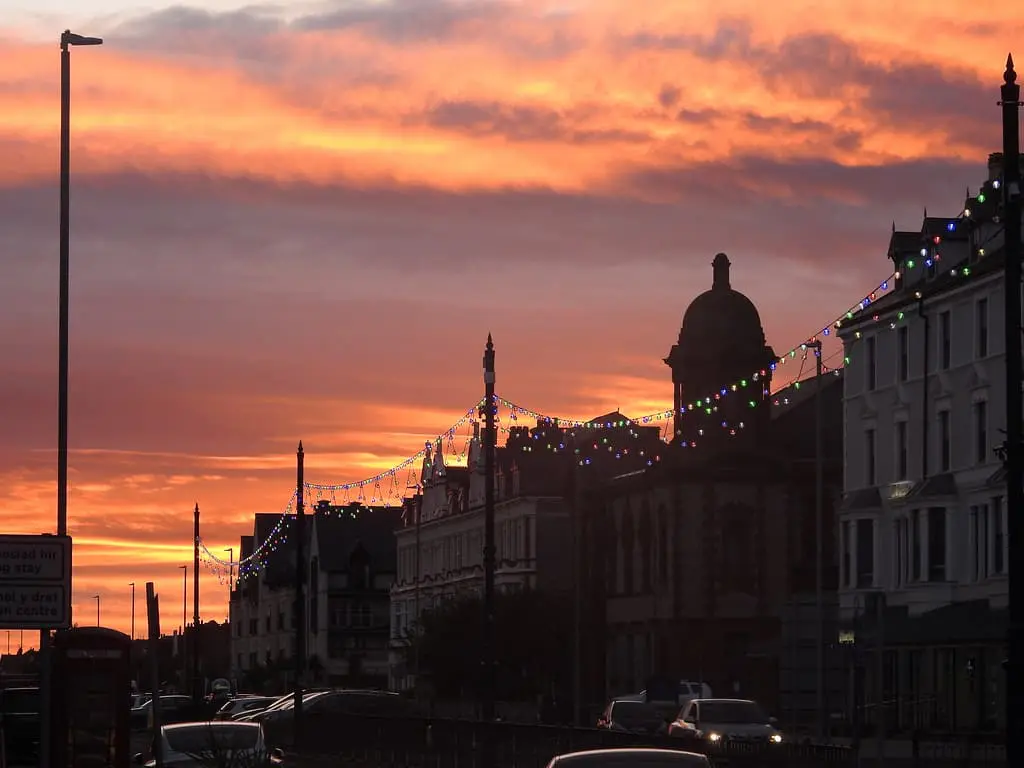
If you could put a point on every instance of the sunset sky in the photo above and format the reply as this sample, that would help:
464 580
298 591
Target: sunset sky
300 221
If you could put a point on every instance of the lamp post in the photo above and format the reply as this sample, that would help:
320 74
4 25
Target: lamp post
132 585
97 599
67 39
819 543
1014 457
488 660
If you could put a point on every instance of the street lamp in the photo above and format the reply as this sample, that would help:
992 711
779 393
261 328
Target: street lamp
67 39
97 599
132 585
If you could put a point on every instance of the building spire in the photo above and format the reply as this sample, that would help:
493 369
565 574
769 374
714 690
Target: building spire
1010 75
720 271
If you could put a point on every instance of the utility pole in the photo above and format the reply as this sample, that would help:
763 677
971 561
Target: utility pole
819 542
418 508
132 585
490 439
300 589
1010 102
196 690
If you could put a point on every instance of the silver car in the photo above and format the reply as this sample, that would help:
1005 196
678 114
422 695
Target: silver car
628 758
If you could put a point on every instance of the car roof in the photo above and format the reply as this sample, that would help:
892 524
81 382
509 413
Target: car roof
633 756
725 701
210 724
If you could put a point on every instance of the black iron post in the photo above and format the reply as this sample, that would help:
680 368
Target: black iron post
299 533
67 39
490 439
197 692
819 543
1010 93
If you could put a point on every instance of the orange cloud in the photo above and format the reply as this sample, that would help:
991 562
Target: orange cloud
232 123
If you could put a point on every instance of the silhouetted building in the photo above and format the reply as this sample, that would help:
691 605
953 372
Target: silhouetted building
692 563
351 552
440 543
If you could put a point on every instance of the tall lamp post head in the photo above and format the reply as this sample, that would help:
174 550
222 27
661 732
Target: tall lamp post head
69 38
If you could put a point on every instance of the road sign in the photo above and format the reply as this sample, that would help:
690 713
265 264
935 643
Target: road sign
35 582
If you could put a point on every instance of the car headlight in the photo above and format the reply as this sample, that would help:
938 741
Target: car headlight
776 738
714 737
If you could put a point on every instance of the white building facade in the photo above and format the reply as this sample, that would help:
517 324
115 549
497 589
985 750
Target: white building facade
922 527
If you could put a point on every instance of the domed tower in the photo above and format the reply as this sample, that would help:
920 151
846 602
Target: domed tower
721 344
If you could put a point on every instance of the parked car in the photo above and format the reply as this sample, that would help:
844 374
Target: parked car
197 745
628 758
243 704
716 720
632 717
173 709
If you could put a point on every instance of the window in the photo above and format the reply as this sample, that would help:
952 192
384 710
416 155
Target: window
901 450
915 545
944 445
900 549
869 456
981 328
903 352
979 541
865 553
945 341
872 371
936 544
846 544
981 432
997 535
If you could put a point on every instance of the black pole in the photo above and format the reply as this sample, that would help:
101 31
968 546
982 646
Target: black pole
488 660
62 376
197 692
300 597
132 585
1010 93
819 543
153 636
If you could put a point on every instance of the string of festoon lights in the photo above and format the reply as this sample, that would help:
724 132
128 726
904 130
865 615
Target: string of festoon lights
388 488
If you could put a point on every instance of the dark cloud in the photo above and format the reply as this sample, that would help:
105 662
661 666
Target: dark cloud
816 183
827 66
669 96
519 123
408 20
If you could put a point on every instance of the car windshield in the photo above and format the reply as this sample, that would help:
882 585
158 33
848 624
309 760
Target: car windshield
737 712
207 738
630 712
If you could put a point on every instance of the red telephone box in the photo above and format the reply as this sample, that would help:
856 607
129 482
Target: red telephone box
90 699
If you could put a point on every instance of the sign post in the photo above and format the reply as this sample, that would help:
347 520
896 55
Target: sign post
35 582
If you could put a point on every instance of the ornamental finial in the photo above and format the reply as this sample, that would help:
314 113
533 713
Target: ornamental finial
1010 75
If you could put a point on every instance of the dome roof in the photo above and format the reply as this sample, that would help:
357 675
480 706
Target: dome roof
721 317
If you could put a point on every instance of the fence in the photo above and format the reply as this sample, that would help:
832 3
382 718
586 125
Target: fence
439 743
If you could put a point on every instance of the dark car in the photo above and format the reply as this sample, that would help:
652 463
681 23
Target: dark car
633 717
174 708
